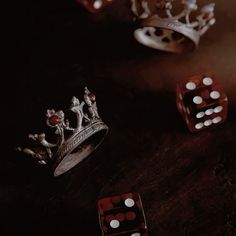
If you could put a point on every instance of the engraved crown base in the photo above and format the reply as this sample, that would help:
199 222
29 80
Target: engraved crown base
166 35
79 146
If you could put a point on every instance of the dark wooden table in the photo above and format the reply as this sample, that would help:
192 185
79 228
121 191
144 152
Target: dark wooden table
187 181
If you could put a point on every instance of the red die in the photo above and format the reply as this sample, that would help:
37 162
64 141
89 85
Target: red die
122 215
201 102
94 5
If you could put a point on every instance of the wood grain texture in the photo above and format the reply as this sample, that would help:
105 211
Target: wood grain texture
187 181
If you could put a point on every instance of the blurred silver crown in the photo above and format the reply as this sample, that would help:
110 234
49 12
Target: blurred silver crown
172 32
73 144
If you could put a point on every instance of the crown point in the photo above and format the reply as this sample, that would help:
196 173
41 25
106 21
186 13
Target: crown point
86 90
208 8
212 21
50 112
75 101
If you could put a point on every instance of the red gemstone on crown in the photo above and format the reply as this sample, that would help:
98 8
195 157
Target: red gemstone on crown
206 16
54 120
92 97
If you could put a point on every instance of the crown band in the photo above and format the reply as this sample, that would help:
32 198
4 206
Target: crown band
188 42
73 144
79 146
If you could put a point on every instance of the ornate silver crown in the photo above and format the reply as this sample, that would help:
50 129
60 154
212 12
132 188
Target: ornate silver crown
73 144
171 32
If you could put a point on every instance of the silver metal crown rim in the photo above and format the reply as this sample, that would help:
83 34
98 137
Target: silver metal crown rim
174 25
76 140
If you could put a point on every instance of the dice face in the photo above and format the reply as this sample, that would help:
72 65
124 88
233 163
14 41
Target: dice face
122 215
94 5
201 102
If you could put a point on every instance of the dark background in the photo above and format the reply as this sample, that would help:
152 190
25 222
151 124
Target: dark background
51 50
